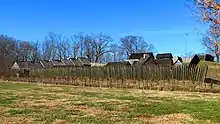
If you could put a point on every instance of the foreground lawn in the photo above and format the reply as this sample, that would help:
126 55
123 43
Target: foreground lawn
38 103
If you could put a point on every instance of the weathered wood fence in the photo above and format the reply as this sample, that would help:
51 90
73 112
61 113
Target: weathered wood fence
179 77
182 72
148 77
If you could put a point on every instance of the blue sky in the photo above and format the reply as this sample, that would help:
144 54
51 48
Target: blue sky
167 24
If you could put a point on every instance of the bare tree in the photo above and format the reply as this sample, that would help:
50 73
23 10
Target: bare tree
208 44
59 45
14 50
99 44
25 51
116 52
47 49
63 47
35 51
51 42
107 57
79 44
88 49
131 44
209 12
97 48
8 49
76 42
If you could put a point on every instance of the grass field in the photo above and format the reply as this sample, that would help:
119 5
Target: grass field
58 104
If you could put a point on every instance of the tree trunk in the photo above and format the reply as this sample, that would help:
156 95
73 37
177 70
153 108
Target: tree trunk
217 57
96 59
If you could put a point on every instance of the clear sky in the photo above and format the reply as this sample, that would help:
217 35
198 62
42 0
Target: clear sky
167 24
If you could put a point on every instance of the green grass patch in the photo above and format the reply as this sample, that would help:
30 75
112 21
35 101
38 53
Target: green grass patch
103 105
209 63
89 94
127 98
60 114
7 101
22 112
16 86
40 107
90 120
202 110
113 105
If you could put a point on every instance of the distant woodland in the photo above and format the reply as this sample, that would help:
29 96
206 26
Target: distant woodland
96 47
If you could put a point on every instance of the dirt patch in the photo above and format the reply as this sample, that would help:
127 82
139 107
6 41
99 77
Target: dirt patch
111 101
165 119
23 103
65 95
51 104
91 111
58 121
16 120
144 116
88 89
177 95
4 109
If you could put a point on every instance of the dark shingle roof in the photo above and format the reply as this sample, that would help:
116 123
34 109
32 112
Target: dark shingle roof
145 61
57 63
139 55
29 65
84 61
164 55
206 57
124 63
46 63
68 62
23 65
196 59
76 62
36 65
164 61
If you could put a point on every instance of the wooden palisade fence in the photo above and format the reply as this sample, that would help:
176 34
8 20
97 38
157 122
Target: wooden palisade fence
145 77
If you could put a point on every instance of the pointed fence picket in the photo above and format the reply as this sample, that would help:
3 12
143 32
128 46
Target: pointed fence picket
121 76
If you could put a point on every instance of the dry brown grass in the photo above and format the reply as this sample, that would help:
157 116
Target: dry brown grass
58 104
165 119
59 121
16 120
91 111
176 94
167 85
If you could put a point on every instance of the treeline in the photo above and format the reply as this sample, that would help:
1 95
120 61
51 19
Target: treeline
96 47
